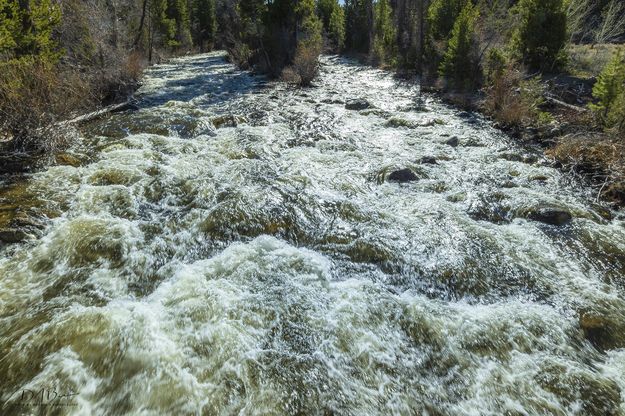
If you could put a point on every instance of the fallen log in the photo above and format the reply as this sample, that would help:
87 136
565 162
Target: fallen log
555 101
115 108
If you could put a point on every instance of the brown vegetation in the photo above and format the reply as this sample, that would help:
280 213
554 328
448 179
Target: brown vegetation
599 157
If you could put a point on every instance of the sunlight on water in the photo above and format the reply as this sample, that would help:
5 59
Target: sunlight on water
236 246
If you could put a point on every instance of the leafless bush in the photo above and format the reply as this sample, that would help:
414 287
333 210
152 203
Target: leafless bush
306 64
503 99
598 156
290 76
34 97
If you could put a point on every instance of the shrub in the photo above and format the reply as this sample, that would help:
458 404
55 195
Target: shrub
306 64
442 15
495 65
541 35
514 100
34 97
609 91
459 65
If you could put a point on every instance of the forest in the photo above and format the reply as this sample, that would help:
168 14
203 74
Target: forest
505 58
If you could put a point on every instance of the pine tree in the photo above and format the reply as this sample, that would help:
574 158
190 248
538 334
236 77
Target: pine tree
541 35
336 28
204 23
459 62
384 48
609 91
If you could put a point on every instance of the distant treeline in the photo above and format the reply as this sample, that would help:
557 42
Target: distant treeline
61 57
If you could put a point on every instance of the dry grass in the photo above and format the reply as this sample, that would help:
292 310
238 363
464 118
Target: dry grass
587 61
599 157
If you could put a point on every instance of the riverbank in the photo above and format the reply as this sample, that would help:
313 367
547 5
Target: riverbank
554 115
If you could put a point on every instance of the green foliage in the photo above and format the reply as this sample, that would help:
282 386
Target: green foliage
333 19
357 25
541 36
325 9
204 24
27 31
609 91
10 23
442 15
495 64
459 65
384 47
171 19
310 26
336 28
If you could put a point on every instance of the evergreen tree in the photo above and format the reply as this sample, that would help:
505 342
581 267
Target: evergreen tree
336 28
459 62
541 35
384 48
357 25
442 15
204 23
609 91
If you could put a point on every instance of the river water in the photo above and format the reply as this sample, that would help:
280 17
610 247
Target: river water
272 266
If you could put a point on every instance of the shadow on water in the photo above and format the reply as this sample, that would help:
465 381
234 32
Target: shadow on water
207 80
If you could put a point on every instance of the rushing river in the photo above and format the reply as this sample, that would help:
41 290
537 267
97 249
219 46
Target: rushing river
235 246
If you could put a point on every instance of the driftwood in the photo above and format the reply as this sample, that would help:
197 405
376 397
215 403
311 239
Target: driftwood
115 108
555 101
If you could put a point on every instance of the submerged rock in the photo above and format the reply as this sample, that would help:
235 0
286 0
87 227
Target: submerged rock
552 216
66 159
402 176
428 160
397 122
453 141
358 104
13 235
228 120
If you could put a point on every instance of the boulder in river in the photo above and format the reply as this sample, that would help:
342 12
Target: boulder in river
453 141
358 104
428 160
396 122
549 215
12 235
402 176
228 120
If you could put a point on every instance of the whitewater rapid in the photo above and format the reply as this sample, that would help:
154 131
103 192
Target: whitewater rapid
238 246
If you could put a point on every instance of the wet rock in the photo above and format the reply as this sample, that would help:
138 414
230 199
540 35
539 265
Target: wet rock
602 328
397 122
66 159
402 176
453 141
332 101
358 104
509 184
13 235
511 157
227 121
376 112
428 160
539 178
551 216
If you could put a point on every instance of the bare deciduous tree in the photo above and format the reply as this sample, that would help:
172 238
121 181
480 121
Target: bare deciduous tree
613 24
